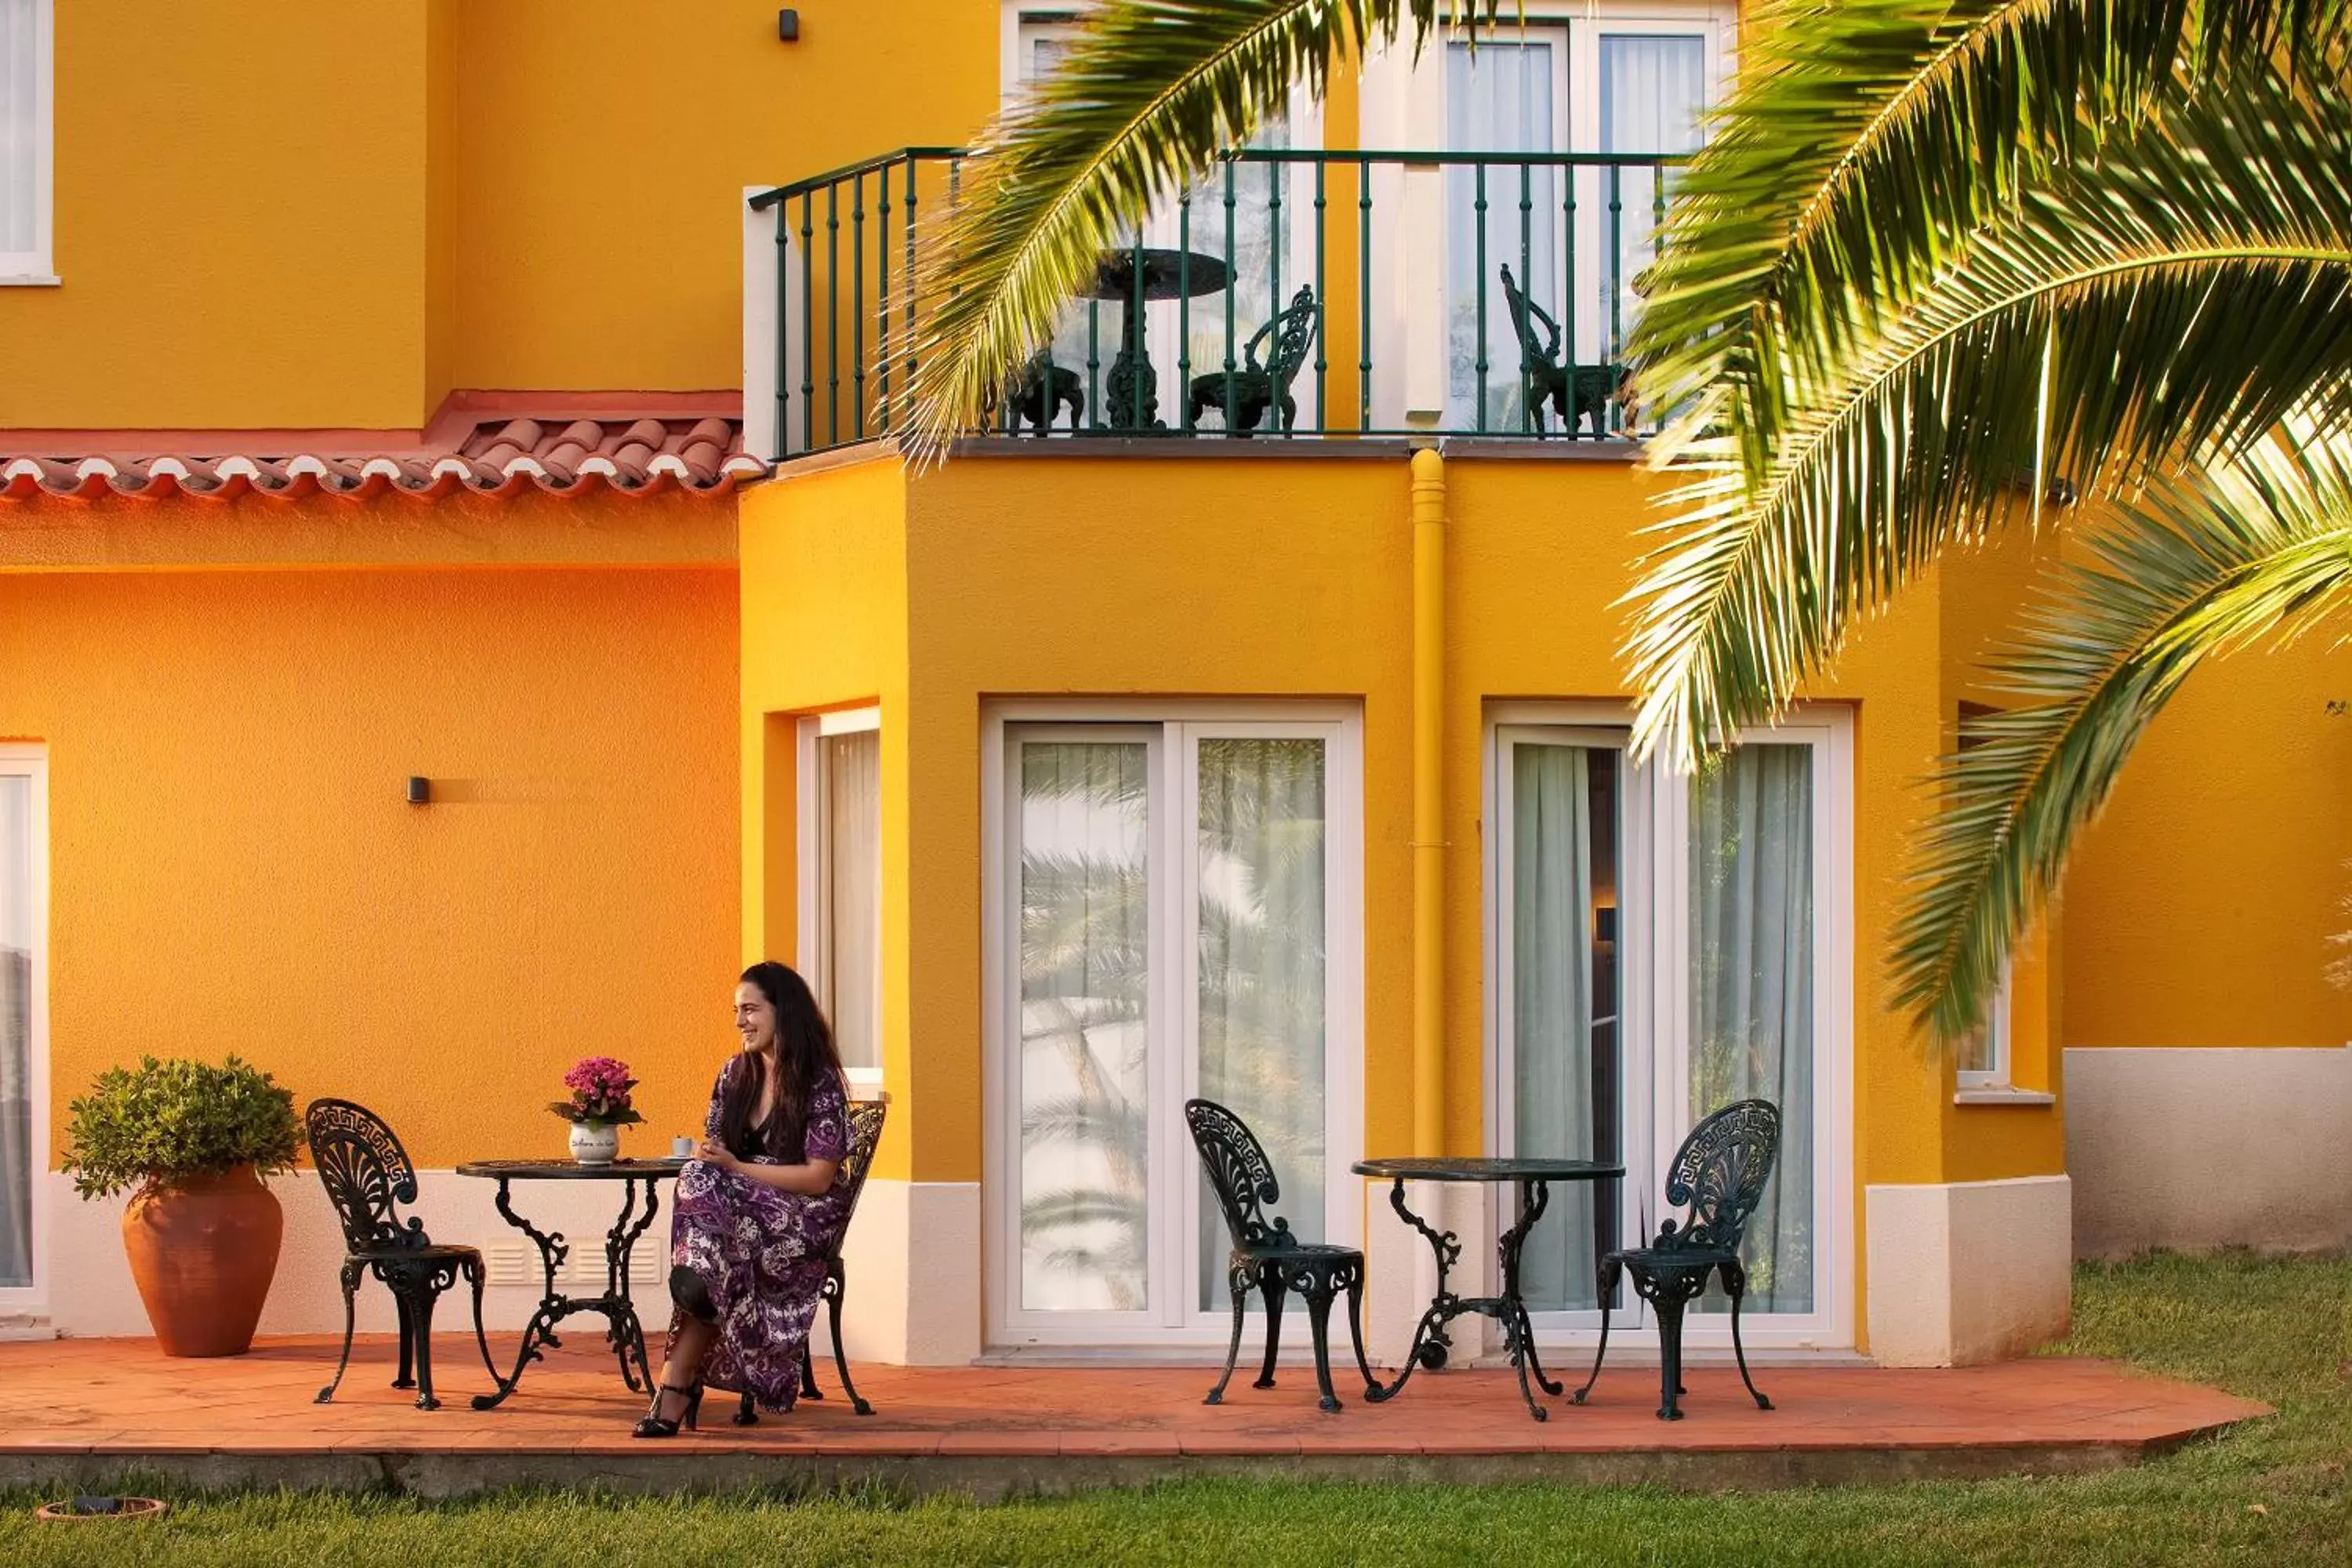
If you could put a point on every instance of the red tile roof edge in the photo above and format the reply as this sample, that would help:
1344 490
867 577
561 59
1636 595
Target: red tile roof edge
491 444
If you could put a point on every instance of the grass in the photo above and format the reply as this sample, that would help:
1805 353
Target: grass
2271 1492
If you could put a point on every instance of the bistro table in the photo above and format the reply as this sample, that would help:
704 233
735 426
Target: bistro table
1134 277
623 1332
1430 1340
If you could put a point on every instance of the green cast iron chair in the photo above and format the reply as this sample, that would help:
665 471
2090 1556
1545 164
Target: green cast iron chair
1719 1176
1267 1258
1255 387
1548 380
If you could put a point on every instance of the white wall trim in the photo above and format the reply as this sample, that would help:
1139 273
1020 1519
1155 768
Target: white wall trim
1965 1272
2147 1129
760 346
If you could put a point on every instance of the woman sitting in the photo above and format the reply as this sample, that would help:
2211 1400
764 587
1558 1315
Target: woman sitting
758 1208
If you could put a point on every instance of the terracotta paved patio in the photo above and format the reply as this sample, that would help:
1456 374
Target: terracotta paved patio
89 1408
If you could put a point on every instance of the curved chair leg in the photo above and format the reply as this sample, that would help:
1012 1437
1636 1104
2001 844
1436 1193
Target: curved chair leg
746 1412
809 1390
1668 1306
1611 1271
1238 1281
475 1277
407 1377
352 1272
1355 1326
420 1320
1319 1324
841 1357
1735 1282
1270 1285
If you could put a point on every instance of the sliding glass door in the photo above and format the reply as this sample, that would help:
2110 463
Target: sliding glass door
23 974
1169 895
1662 947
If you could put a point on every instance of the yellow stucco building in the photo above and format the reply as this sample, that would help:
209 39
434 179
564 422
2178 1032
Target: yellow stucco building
514 415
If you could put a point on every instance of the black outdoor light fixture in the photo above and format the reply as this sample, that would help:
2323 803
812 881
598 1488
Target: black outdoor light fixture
788 25
420 791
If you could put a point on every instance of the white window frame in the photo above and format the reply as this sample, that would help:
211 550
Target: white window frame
37 267
1655 1007
27 761
1996 1074
814 955
1171 1316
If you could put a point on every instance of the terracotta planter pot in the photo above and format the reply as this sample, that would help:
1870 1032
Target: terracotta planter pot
202 1252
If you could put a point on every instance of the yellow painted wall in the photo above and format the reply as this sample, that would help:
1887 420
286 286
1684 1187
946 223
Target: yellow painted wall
1981 589
823 614
240 219
309 214
2198 909
235 868
1231 577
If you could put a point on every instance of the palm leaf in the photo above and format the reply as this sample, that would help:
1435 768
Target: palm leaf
2259 549
2179 297
1867 137
1150 93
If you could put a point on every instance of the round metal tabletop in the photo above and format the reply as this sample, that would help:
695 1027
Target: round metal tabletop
1166 274
566 1171
1442 1168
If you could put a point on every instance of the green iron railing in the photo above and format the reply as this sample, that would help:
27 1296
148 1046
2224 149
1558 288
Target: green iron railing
1291 293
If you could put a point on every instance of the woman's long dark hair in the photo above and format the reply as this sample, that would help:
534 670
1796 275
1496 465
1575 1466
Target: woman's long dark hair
804 1052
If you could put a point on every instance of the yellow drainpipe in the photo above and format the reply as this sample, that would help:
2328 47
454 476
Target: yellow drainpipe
1428 803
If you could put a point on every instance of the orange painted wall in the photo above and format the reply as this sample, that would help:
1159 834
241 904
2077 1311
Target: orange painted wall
234 867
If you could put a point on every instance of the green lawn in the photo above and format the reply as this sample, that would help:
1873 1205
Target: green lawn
2272 1493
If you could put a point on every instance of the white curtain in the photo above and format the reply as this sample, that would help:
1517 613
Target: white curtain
1084 1065
852 796
1653 92
1751 972
16 1167
1263 919
1552 1008
20 129
1498 98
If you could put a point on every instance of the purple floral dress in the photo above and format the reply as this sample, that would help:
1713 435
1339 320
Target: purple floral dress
759 1250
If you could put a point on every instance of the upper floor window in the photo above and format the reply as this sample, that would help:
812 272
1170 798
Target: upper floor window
26 138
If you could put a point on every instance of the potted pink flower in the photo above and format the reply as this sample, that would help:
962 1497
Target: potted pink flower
599 1108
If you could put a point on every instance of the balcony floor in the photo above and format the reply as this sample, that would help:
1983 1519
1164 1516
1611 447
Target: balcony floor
79 1410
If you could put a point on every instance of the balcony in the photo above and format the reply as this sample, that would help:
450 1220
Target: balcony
1290 295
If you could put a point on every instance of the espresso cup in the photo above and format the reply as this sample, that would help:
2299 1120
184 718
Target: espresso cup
681 1148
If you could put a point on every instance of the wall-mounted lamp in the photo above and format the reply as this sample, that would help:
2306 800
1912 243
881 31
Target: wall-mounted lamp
420 791
788 25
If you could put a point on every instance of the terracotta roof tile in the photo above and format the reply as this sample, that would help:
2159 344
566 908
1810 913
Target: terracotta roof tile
486 454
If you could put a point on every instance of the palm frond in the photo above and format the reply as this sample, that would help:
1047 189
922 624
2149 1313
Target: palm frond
2179 297
1867 137
1150 94
2258 549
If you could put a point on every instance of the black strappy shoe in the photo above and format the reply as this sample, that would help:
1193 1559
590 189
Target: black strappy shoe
651 1423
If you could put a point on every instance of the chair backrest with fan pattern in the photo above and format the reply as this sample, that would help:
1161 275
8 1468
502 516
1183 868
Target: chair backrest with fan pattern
367 1176
1719 1176
1239 1173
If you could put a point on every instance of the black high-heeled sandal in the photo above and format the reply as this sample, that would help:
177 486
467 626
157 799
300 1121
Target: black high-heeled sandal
651 1423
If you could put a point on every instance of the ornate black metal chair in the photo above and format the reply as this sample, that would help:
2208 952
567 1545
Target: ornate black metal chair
1041 391
367 1177
865 1119
1256 387
1266 1256
1719 1176
1588 392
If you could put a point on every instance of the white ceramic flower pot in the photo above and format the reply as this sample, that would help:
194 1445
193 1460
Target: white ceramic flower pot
594 1143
